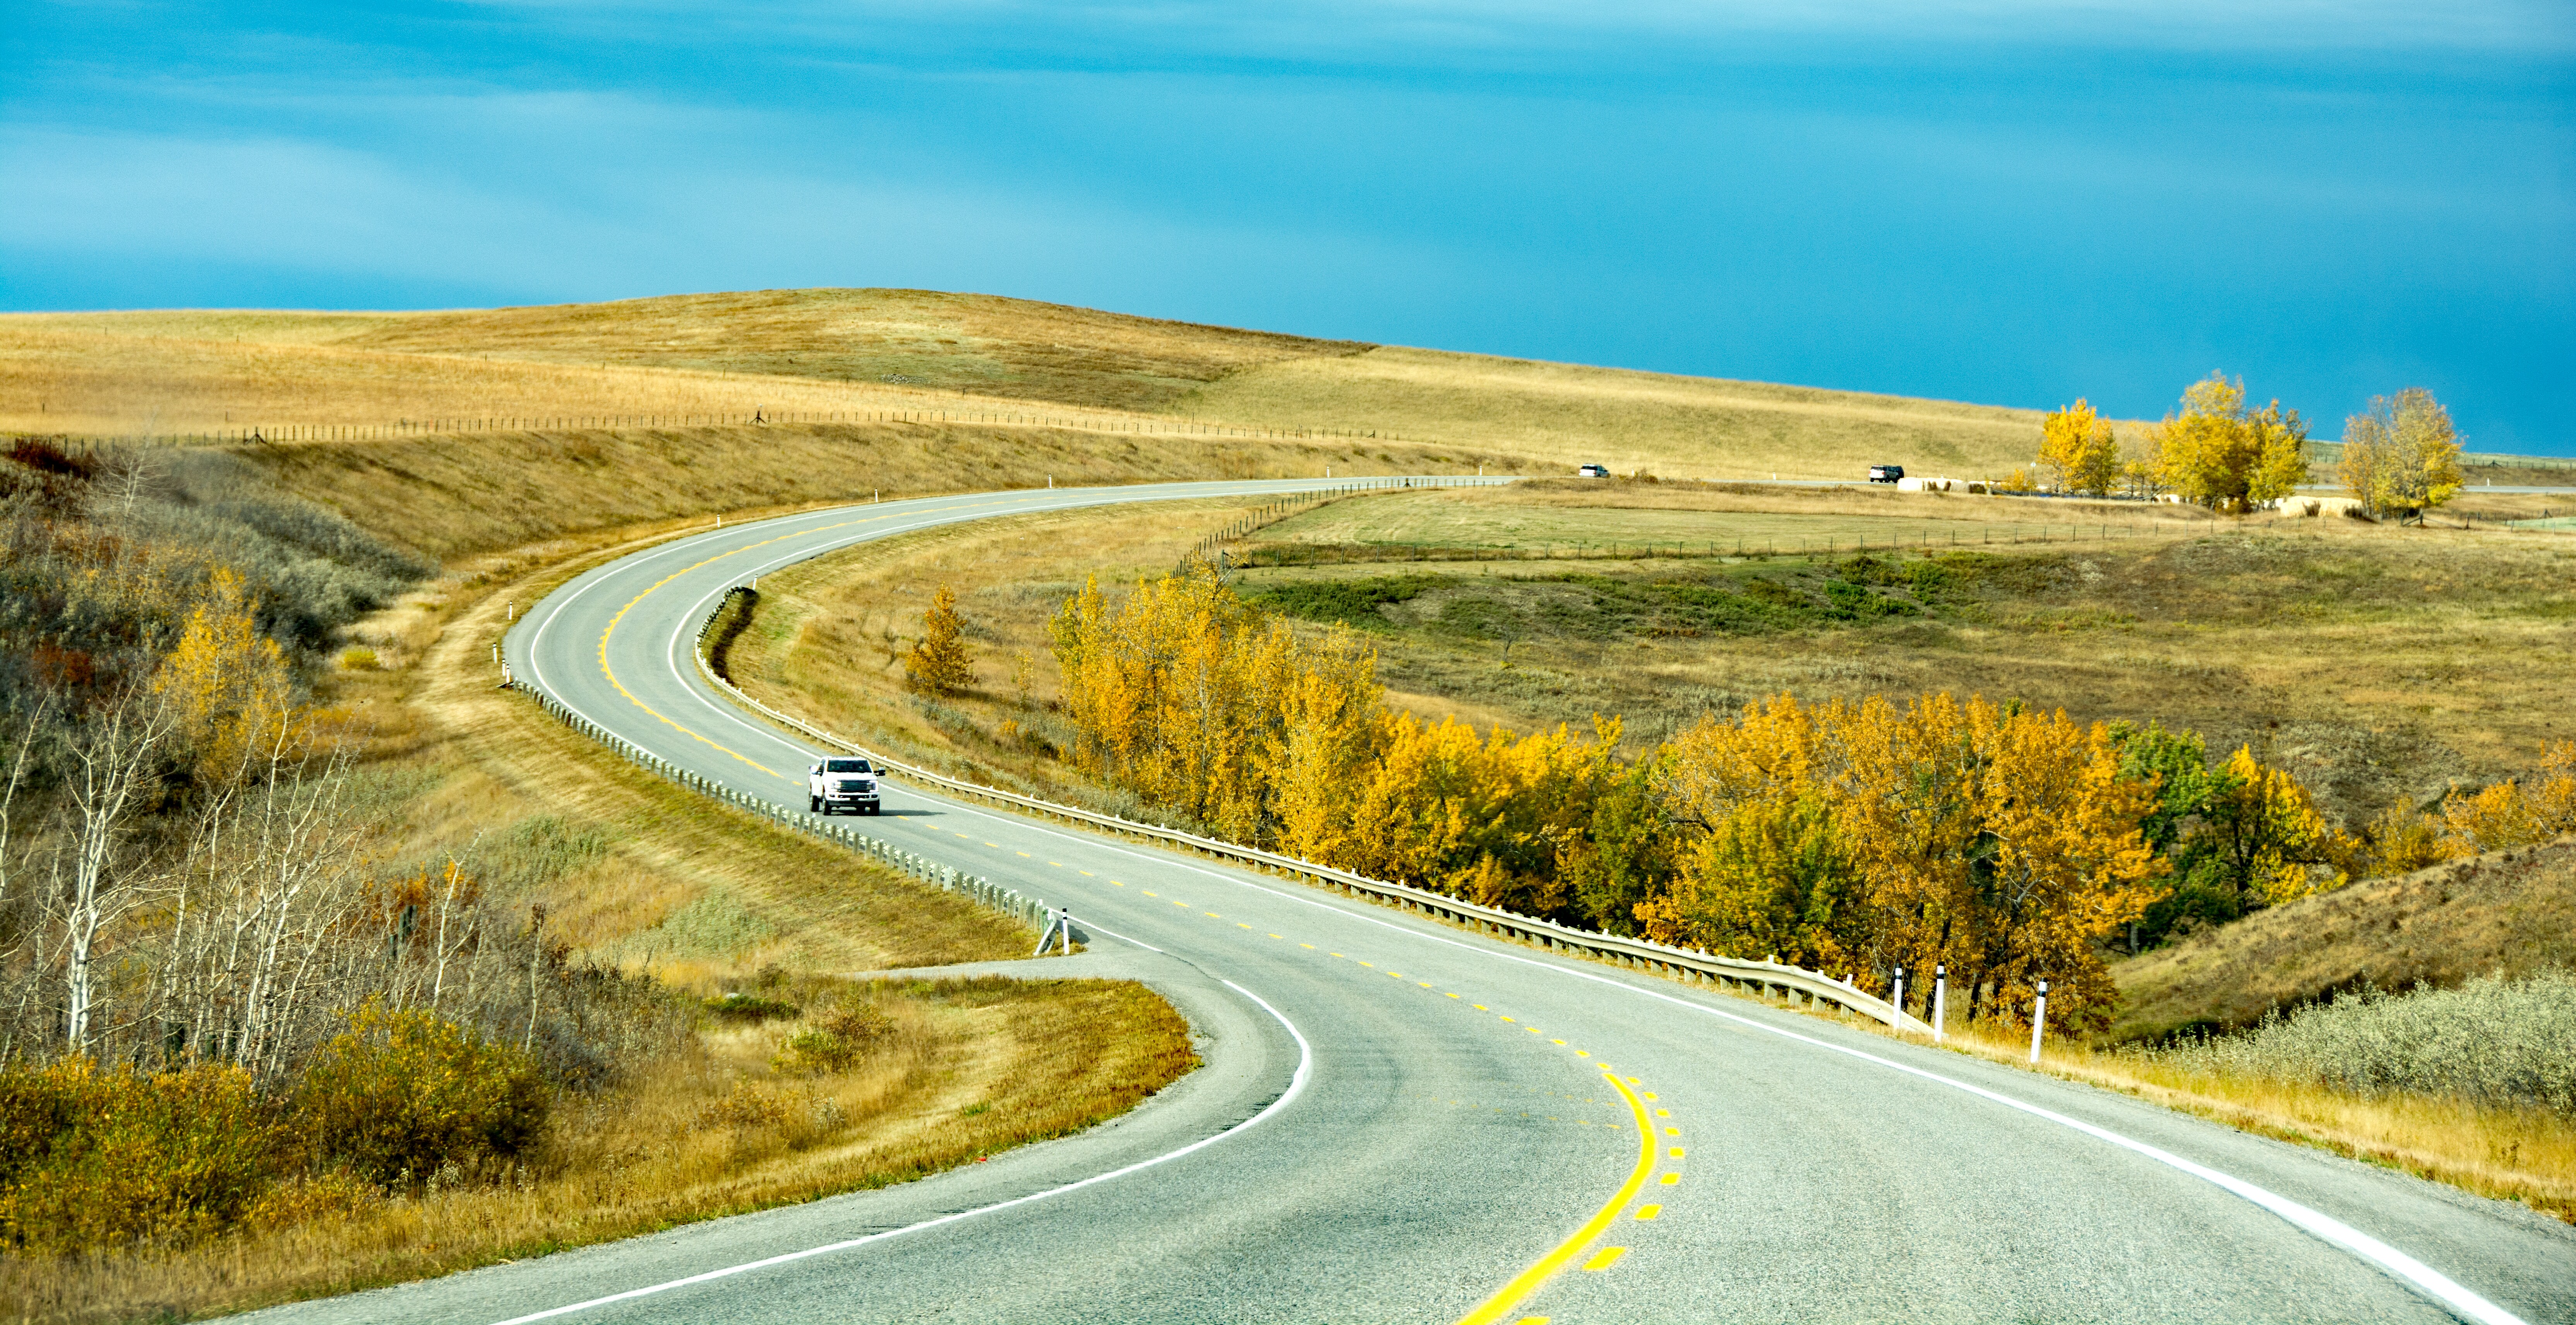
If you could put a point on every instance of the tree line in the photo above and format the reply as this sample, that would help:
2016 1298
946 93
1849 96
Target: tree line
2399 458
2004 843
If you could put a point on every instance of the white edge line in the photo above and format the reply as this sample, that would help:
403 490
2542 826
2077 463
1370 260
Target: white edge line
1296 1087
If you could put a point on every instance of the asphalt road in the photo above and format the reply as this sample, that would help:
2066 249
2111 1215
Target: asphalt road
1398 1120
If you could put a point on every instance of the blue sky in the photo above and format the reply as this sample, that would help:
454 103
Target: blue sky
1989 201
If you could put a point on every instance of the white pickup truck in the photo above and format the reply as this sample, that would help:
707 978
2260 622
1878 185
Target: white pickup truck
837 783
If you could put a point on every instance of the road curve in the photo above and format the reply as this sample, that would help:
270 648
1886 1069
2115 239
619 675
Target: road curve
1400 1121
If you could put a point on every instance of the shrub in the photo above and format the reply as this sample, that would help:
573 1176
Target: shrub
751 1008
399 1095
834 1043
2492 1040
358 658
92 1158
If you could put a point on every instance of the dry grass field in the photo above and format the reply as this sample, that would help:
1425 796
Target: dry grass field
1577 518
455 496
821 352
1561 415
2378 662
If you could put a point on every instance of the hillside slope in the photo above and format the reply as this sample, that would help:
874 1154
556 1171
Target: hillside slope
853 350
2508 912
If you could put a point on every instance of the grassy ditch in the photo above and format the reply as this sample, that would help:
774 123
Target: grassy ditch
843 1086
2407 1082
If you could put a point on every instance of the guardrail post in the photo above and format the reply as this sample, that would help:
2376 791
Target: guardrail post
1940 995
2038 1020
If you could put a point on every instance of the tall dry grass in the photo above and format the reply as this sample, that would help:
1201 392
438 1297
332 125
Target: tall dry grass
2504 1042
964 1069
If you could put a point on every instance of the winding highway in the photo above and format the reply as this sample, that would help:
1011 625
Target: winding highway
1400 1121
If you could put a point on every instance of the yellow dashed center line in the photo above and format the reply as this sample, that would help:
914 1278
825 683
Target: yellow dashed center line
1649 1211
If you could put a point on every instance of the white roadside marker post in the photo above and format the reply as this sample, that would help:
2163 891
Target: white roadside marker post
1899 999
1940 997
1067 927
2038 1020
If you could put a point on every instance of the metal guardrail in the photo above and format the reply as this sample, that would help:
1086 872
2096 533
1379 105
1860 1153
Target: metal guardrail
1008 901
1690 965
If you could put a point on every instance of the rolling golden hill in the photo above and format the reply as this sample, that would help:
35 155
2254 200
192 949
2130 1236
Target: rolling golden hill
689 360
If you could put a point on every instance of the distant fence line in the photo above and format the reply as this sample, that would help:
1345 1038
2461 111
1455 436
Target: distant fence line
280 433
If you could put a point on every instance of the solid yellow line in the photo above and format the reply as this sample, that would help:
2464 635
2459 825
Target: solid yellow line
1528 1281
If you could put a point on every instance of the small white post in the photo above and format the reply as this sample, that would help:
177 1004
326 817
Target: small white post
1899 999
1940 998
1067 917
2038 1020
1050 482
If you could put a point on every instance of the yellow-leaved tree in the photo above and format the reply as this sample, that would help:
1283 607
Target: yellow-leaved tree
939 663
2078 450
2401 456
2264 832
1856 838
228 688
2217 453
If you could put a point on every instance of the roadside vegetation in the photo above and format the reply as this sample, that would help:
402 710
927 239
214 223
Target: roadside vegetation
324 964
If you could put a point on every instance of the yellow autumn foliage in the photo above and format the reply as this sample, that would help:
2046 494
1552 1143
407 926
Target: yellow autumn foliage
2518 811
1856 838
2217 452
228 687
2076 445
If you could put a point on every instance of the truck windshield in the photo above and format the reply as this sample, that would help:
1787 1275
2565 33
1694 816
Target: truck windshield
845 766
